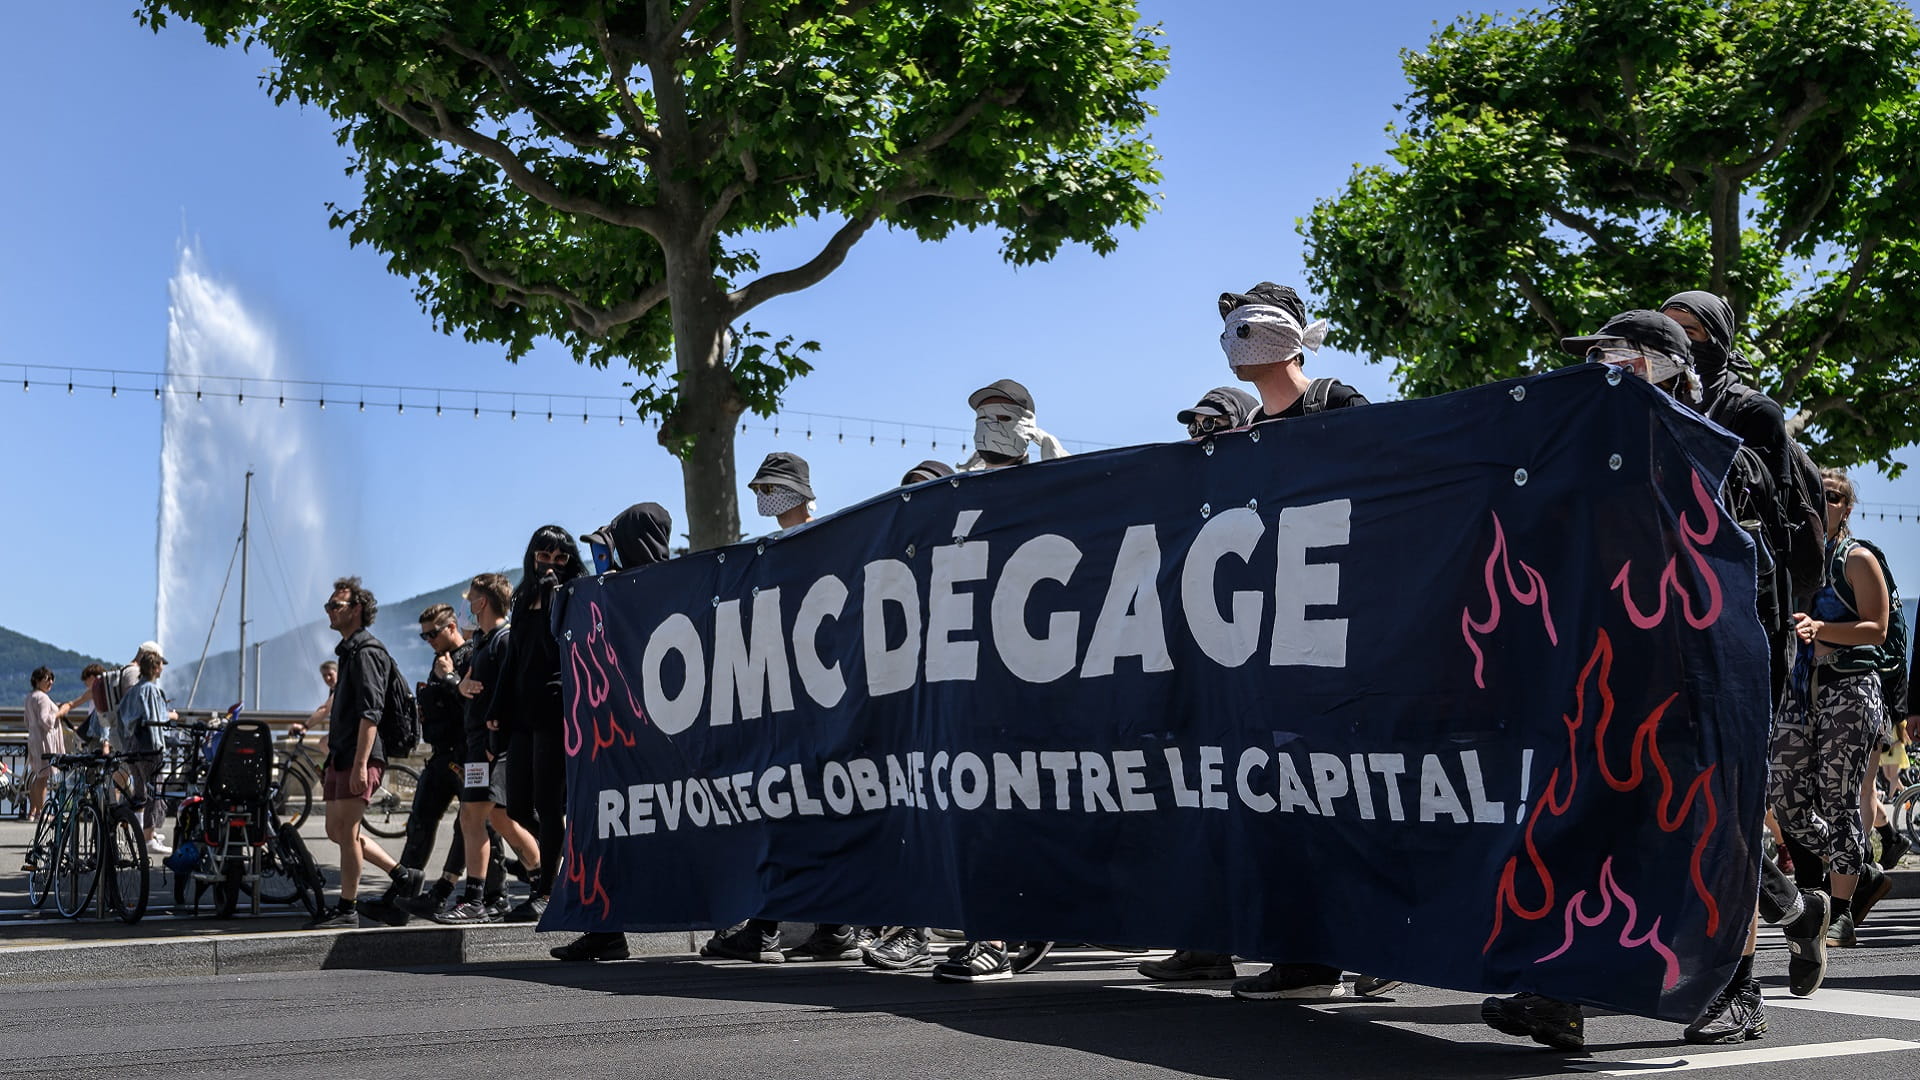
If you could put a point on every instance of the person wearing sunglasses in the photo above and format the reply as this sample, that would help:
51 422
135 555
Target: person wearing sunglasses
1223 408
356 759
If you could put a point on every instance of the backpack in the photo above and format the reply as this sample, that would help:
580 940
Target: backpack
1752 500
1316 397
399 712
1798 529
1889 658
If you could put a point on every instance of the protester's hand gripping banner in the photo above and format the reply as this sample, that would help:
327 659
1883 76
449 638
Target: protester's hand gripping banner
1467 691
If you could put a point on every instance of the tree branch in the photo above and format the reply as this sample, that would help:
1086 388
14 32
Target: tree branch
1529 289
1855 275
514 85
955 126
620 75
1793 121
1583 224
1790 235
809 273
442 127
590 320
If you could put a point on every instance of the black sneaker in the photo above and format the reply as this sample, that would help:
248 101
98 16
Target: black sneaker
1292 982
528 910
827 942
1373 986
384 912
406 885
902 950
343 917
468 912
743 942
518 869
1874 887
979 962
1544 1020
430 903
1891 851
593 947
1190 965
1840 932
497 907
1738 1014
1807 949
1026 955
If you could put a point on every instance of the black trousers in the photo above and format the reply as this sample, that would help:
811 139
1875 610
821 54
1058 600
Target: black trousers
537 793
440 781
1779 896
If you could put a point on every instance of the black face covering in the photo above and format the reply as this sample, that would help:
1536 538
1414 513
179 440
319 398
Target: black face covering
1719 351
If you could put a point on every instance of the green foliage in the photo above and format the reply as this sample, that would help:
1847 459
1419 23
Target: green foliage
1556 167
583 170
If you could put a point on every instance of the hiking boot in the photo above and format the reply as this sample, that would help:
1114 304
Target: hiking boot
1189 965
1874 887
743 942
468 912
1544 1020
343 917
429 903
978 962
1738 1014
1840 932
406 885
1291 982
1372 986
1807 944
593 947
528 910
383 912
902 950
827 942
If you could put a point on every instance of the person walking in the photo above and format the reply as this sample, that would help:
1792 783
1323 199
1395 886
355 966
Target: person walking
140 714
356 759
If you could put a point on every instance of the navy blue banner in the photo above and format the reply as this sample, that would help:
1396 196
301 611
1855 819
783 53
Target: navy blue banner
1467 691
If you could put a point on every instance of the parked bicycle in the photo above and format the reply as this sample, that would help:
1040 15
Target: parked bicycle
88 830
229 839
388 811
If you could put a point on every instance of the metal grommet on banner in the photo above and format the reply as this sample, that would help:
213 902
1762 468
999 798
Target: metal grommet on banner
909 551
1613 462
567 635
716 601
1519 478
1613 375
906 496
756 590
954 481
760 548
722 556
1518 393
1207 448
1253 504
1206 510
1254 434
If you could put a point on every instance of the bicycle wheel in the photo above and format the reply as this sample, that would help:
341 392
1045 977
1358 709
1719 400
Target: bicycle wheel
79 872
297 862
1904 814
392 802
226 891
43 854
128 884
292 794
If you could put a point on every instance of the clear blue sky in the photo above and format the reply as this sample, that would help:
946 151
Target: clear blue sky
156 140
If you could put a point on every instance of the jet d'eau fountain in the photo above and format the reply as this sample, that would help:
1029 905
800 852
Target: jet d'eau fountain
207 446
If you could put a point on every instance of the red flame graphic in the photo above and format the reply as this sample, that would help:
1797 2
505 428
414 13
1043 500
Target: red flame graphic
593 688
586 881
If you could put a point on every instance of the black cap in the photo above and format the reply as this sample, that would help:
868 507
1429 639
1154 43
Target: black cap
926 470
1648 329
1266 292
1005 388
784 470
1230 403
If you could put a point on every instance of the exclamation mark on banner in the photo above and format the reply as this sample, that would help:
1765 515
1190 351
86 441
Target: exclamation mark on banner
1526 781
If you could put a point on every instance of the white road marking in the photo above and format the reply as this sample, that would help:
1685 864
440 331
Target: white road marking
1850 1003
1710 1059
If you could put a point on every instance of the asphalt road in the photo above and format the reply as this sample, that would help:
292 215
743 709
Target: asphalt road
1081 1014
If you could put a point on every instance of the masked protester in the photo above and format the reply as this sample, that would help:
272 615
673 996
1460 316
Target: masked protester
1223 408
925 471
1003 428
636 537
1266 337
783 489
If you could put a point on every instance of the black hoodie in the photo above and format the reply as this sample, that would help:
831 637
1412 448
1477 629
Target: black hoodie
639 534
1728 398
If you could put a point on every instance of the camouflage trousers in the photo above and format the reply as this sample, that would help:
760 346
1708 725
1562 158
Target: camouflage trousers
1820 757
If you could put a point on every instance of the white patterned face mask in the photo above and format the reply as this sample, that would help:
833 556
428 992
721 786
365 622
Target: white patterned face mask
1003 428
773 502
1263 334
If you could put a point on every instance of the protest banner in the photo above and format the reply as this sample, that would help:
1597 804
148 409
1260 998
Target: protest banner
1467 691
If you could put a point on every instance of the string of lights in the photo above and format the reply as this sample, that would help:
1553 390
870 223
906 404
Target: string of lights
444 401
1887 511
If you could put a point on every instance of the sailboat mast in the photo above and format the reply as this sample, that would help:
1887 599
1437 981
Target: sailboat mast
246 513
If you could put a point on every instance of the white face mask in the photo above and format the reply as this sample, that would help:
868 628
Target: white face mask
1264 334
1003 428
773 502
1652 365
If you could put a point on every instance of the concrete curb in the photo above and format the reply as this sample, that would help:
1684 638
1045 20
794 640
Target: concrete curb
382 948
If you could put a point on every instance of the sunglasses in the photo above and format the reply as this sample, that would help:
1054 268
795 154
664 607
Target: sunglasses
428 635
336 605
1836 498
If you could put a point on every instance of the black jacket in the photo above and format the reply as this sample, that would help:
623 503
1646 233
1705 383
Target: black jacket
359 698
443 711
487 666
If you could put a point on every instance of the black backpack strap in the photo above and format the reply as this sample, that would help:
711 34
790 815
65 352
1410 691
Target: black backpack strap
1318 391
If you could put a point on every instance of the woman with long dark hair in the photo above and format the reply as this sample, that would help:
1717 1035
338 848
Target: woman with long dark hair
528 705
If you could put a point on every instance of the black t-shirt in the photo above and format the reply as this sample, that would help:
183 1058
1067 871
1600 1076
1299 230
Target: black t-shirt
1339 396
442 709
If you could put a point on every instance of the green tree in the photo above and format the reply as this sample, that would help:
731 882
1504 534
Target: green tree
1561 165
588 171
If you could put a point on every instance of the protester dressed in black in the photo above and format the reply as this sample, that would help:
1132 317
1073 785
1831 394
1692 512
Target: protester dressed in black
528 704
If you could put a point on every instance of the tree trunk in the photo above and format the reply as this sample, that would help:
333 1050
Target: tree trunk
709 405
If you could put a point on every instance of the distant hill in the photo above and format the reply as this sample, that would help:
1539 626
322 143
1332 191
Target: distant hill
290 662
20 654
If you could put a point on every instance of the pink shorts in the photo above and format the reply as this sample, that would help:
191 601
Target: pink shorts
333 783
